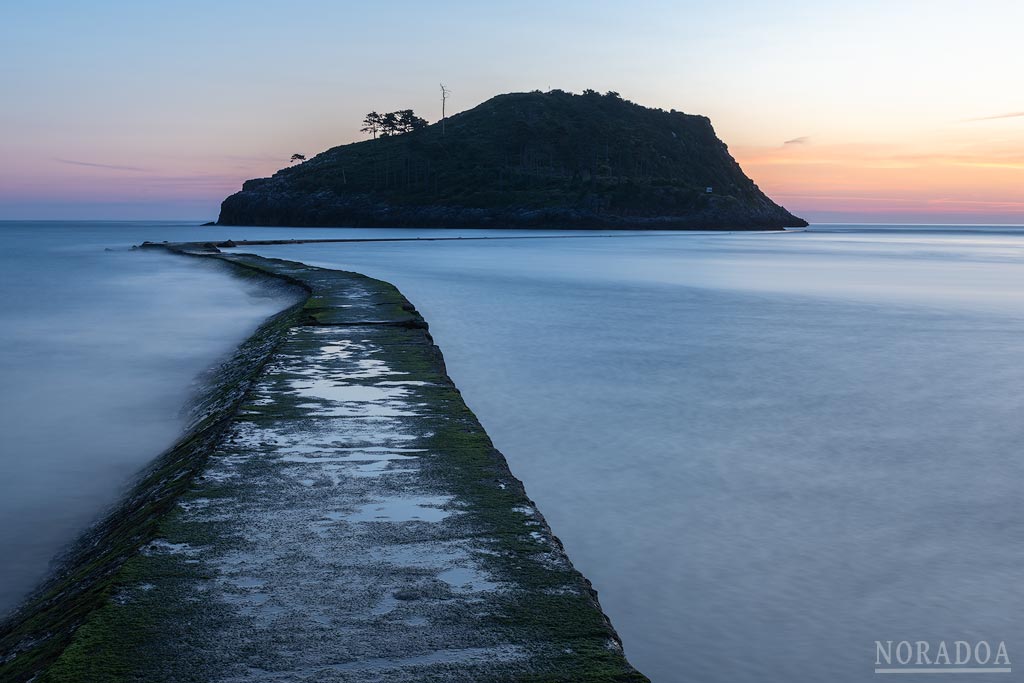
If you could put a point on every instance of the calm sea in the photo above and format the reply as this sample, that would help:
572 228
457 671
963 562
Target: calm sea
767 451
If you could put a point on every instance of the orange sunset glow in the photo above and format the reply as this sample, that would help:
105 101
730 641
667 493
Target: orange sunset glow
881 181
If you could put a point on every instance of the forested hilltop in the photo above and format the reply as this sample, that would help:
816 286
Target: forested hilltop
551 159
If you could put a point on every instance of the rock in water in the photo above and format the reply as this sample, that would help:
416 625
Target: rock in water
553 160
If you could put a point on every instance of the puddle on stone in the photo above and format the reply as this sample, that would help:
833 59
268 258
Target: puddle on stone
361 455
303 448
377 469
430 555
375 450
367 409
351 462
403 509
339 349
467 580
387 604
370 368
328 390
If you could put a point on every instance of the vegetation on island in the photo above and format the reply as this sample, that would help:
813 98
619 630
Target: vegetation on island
392 123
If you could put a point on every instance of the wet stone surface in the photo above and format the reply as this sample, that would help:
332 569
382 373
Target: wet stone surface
337 534
354 524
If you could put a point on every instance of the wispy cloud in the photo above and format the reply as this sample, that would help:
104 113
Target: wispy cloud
803 140
112 167
1011 115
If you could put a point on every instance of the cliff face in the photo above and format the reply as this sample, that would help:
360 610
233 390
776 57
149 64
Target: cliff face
523 160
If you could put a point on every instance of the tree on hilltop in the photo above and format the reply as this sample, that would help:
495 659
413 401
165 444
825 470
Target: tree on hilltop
393 123
408 122
389 124
372 124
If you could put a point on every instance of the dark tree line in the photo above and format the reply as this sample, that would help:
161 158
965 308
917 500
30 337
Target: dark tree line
392 123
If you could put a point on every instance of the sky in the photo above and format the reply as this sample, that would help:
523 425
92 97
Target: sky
904 111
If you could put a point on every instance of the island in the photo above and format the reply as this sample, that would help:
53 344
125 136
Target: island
521 160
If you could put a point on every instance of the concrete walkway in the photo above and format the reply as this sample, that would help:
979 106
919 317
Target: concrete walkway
355 523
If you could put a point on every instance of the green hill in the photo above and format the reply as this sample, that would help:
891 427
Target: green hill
518 160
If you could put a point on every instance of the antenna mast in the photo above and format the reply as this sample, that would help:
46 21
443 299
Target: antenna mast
444 98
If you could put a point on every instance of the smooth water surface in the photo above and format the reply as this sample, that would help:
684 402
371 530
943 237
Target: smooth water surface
767 451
